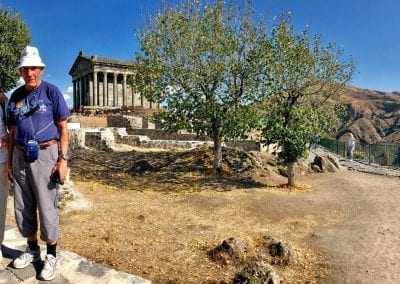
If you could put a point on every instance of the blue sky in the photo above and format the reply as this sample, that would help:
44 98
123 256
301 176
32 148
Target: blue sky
367 30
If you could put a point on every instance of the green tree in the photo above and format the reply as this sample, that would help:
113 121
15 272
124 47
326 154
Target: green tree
205 63
307 78
14 36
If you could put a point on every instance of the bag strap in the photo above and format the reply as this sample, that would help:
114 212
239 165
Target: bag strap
41 130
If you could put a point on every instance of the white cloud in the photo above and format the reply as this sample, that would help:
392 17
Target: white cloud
67 95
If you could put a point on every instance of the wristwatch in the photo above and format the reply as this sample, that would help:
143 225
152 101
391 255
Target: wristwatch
64 157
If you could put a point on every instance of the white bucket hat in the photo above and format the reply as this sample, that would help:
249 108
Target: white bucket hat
30 58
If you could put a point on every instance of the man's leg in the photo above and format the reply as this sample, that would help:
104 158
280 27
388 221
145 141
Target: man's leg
31 254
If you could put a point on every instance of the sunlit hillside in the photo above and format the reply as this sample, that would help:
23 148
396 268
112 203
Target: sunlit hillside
373 116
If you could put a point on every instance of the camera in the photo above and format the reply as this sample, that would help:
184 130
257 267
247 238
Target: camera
32 151
55 176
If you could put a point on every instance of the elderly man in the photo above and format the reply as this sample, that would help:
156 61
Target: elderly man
38 151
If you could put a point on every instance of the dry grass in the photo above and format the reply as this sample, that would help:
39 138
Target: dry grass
161 225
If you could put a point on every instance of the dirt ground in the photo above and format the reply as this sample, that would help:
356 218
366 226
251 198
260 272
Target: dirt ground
362 245
343 227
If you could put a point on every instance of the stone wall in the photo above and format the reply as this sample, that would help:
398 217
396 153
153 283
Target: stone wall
247 145
108 139
140 127
130 122
159 134
139 131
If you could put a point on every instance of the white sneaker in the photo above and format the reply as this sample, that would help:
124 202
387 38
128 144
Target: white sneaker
49 268
26 258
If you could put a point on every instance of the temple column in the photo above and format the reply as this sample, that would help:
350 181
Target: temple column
74 102
115 91
132 94
84 90
105 90
101 97
95 93
124 101
90 83
88 87
79 92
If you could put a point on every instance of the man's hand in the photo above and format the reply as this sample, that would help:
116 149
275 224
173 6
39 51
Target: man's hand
61 167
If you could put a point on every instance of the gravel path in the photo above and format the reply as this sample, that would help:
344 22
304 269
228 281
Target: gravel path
364 245
369 168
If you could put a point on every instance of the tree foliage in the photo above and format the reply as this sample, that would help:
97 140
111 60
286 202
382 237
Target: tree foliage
14 36
205 63
307 77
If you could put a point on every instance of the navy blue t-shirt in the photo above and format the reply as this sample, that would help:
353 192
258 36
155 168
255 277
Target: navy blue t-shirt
35 113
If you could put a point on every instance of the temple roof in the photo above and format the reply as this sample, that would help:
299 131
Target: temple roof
87 63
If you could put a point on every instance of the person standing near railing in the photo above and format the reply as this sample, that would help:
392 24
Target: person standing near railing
351 146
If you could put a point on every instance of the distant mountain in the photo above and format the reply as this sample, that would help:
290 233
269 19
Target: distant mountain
373 116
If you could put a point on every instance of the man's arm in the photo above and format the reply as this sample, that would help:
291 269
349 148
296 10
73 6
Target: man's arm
62 148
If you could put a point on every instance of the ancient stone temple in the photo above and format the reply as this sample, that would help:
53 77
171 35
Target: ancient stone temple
103 82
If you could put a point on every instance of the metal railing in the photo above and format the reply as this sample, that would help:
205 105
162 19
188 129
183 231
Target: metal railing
382 154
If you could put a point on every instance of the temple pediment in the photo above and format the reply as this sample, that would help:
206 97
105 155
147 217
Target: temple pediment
82 65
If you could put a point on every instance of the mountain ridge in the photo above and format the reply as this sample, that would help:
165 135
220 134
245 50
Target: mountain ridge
372 116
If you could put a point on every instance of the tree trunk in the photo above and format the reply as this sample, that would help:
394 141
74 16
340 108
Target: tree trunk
217 154
290 173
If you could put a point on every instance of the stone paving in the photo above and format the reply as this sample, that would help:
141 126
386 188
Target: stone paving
369 168
73 268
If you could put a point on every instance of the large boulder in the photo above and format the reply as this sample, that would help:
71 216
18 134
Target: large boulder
141 166
229 251
322 161
280 253
257 271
